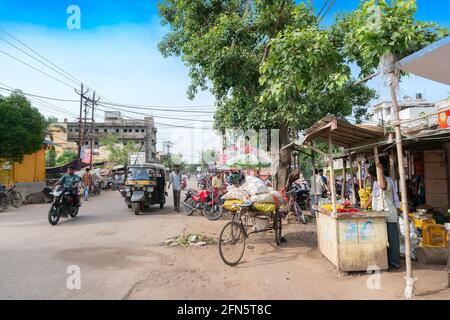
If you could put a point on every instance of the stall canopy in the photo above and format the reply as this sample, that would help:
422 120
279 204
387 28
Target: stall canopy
431 62
344 133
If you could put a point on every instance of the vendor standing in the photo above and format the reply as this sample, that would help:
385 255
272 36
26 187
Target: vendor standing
385 198
316 191
175 182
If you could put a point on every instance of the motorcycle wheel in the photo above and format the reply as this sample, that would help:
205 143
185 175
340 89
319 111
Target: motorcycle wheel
74 212
213 212
53 215
188 207
16 199
136 208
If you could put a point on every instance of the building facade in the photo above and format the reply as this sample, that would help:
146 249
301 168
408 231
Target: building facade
140 132
409 109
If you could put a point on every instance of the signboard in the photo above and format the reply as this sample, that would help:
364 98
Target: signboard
86 155
444 119
136 158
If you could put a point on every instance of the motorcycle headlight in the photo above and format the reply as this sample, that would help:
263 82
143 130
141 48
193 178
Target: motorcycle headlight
150 189
127 188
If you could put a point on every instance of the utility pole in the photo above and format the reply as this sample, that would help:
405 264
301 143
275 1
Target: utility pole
92 129
81 93
168 145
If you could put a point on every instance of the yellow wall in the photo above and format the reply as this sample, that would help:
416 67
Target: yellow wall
32 169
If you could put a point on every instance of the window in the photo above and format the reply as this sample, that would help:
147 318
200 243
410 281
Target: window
117 130
136 130
96 130
86 143
142 130
105 130
76 130
96 143
70 130
142 142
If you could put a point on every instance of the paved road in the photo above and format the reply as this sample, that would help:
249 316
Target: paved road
120 257
107 241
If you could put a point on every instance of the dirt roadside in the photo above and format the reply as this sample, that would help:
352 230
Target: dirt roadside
294 270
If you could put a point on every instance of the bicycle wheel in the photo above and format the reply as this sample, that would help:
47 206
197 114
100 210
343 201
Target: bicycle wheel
277 226
232 243
16 199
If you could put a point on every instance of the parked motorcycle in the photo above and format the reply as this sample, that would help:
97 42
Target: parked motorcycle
205 201
63 205
302 197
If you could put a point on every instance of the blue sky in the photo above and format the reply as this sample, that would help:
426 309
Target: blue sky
116 53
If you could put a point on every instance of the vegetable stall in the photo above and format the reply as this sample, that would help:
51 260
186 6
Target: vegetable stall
351 238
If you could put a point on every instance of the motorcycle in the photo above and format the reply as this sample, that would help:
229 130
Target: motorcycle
205 201
302 197
62 206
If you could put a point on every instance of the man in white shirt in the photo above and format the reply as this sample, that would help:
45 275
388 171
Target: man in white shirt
175 181
316 191
384 198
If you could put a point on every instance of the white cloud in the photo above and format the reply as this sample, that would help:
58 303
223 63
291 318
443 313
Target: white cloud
122 62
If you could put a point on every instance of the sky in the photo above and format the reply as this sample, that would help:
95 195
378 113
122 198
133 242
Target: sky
115 52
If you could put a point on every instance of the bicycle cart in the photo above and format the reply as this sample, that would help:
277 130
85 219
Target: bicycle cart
233 236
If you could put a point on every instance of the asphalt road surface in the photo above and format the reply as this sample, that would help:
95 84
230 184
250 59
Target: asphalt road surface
107 252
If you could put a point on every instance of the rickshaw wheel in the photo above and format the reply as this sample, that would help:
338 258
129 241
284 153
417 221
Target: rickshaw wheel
136 208
277 227
232 243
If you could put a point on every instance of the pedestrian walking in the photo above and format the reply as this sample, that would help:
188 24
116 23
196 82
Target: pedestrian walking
175 182
87 184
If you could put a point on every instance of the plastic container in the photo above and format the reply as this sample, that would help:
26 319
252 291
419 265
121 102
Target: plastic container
435 236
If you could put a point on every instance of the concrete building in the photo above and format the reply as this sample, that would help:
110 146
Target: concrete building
141 132
57 133
410 108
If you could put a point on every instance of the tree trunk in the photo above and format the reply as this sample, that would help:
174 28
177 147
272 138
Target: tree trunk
284 159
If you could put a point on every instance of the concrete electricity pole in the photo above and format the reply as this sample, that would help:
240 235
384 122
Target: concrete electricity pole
81 93
94 102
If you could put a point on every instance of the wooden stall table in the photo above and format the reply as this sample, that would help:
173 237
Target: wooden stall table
353 241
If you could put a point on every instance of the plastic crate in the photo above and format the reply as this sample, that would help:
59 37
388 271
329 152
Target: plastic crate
435 235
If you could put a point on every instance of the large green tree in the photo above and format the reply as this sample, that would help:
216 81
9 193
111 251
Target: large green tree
379 28
22 127
267 62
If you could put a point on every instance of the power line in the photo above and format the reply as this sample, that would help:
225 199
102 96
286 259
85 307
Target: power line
42 102
35 95
328 9
40 55
37 69
149 115
162 124
157 108
45 64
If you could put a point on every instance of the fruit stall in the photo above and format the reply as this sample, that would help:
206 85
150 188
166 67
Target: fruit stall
351 238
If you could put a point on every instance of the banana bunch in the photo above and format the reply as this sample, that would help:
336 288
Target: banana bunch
364 195
329 207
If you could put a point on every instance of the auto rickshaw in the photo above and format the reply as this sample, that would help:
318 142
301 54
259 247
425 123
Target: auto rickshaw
145 185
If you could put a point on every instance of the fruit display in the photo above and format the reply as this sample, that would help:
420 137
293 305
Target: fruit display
364 195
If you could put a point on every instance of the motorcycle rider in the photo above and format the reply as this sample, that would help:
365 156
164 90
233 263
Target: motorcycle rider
70 181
